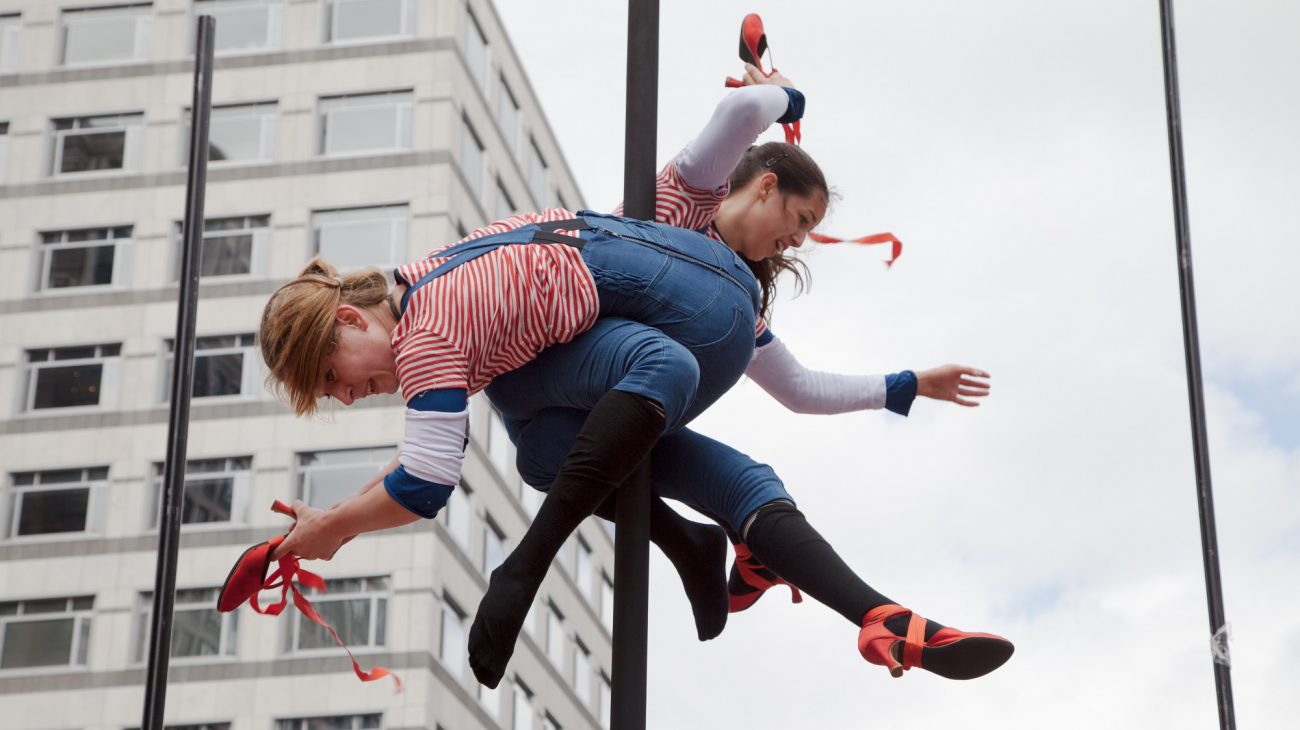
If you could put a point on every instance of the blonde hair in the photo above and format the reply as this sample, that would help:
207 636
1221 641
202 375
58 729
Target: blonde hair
298 327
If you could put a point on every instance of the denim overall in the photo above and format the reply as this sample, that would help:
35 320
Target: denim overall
677 319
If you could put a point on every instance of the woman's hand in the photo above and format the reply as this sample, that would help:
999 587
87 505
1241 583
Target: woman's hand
956 383
312 536
754 76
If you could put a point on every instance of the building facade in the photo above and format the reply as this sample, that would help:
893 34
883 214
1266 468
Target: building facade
368 131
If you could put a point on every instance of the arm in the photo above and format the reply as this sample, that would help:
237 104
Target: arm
427 470
802 390
708 160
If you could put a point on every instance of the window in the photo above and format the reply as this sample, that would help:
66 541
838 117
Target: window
475 48
365 123
473 162
523 710
500 450
508 115
357 608
494 546
204 726
530 498
358 20
72 377
451 652
198 629
606 698
55 502
231 246
607 601
326 477
51 632
224 365
113 34
457 511
555 648
243 26
10 28
537 174
4 144
84 257
504 205
96 144
237 133
356 237
549 722
582 672
334 722
530 620
216 490
582 570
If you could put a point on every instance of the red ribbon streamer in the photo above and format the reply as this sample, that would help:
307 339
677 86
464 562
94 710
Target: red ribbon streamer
287 572
868 240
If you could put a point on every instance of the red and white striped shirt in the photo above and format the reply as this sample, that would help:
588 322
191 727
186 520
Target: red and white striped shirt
492 314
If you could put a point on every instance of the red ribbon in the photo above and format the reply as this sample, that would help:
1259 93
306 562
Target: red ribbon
287 572
868 240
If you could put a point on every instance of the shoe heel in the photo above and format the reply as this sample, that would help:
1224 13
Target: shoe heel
880 650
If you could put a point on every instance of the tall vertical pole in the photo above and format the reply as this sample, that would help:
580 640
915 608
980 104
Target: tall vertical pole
169 523
1192 354
632 541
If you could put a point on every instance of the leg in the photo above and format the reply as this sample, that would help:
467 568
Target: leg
617 435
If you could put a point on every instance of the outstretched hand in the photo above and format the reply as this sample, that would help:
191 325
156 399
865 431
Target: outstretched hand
311 537
956 383
754 76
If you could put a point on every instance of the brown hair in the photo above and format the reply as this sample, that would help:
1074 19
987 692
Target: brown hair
298 330
796 174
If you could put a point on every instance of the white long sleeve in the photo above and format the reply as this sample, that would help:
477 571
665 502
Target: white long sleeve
738 120
794 386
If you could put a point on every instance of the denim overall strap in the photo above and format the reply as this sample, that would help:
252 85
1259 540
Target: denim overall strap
466 251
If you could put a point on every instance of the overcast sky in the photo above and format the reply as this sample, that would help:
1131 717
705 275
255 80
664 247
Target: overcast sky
1018 149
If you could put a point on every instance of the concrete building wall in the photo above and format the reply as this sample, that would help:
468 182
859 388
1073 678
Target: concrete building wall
427 567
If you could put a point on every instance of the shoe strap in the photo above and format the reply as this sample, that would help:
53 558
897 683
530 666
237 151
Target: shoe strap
748 568
915 642
284 579
896 249
882 612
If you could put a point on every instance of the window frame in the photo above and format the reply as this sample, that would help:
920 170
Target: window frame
475 171
79 650
131 125
520 688
506 101
228 649
11 31
492 532
476 52
359 721
96 498
503 203
266 112
403 120
584 576
274 24
4 143
303 471
606 601
398 243
539 173
450 611
142 33
250 371
109 379
329 18
556 652
380 603
122 249
241 487
258 260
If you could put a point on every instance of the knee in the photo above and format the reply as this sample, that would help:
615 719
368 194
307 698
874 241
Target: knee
674 374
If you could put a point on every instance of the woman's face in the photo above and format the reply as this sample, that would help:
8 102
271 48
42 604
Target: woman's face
362 362
774 221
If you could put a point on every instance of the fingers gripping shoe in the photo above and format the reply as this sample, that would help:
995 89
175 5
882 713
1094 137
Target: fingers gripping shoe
749 579
948 652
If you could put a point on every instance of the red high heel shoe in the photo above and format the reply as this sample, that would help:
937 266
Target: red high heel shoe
949 653
249 573
753 574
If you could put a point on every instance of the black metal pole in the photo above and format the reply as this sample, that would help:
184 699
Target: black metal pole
632 541
169 522
1192 353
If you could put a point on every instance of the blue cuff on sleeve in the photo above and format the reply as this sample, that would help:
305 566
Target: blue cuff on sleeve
764 338
900 391
793 110
445 400
424 498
